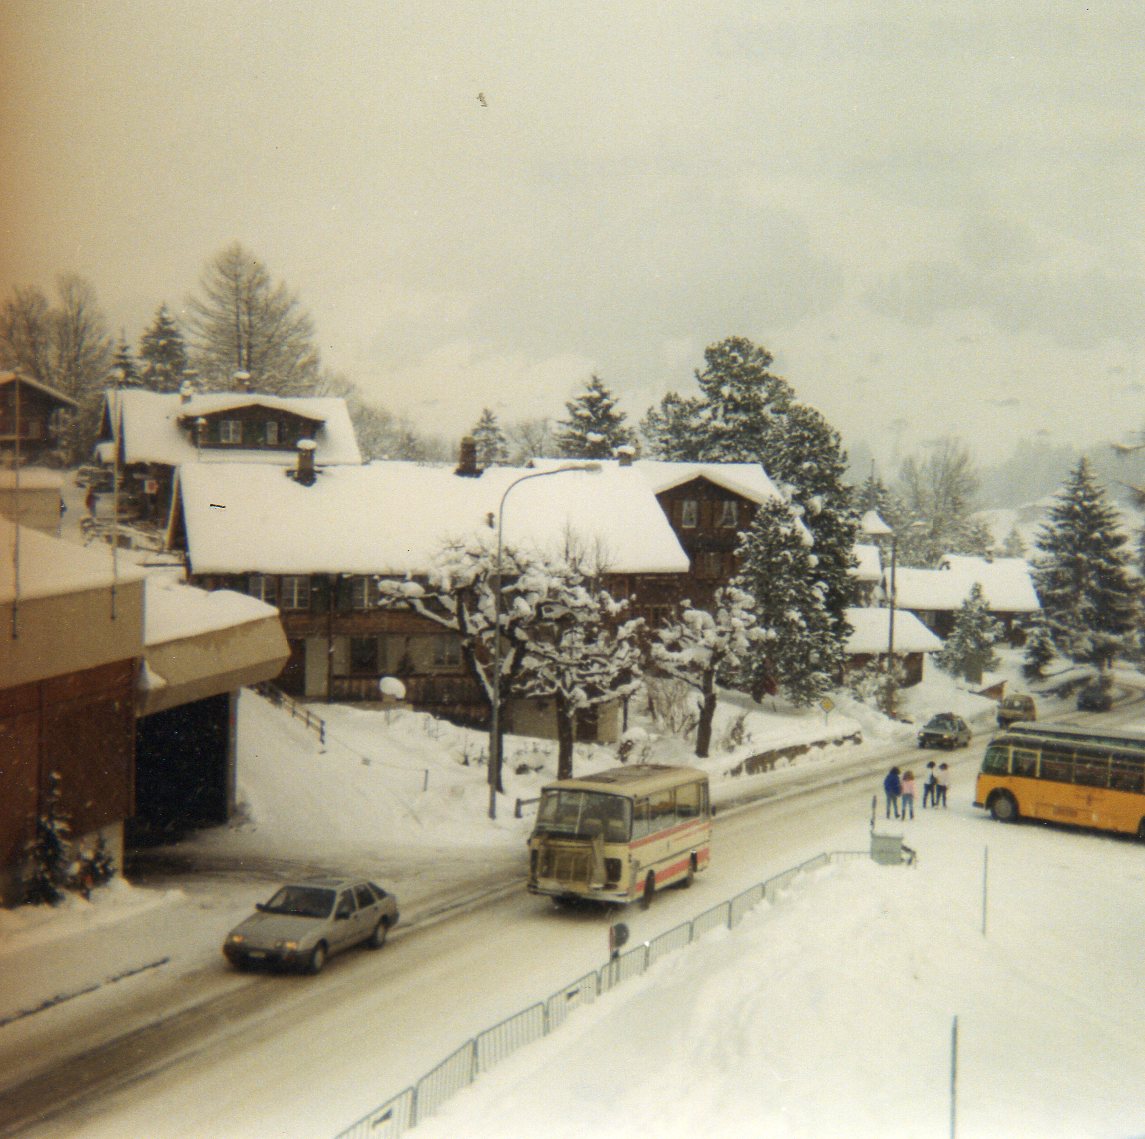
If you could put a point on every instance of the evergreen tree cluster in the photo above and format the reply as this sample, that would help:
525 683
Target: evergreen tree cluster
800 549
1089 601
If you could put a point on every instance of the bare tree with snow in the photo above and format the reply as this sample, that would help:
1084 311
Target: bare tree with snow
704 644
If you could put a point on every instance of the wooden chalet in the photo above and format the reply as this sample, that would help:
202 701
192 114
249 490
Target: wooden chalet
31 419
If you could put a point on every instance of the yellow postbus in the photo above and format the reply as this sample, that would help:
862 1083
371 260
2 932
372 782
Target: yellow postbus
621 834
1064 773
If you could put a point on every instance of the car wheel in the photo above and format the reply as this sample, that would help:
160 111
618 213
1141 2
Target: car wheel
378 938
317 959
1003 808
649 890
1141 830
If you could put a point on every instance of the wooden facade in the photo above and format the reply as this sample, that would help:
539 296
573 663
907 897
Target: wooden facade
31 419
708 521
80 725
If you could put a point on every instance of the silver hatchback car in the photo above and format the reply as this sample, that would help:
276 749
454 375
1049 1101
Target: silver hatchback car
306 922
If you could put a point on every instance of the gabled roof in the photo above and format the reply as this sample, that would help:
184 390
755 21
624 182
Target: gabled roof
1006 584
28 382
217 403
746 479
152 431
393 518
870 632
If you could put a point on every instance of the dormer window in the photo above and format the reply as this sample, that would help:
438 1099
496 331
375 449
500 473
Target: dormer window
230 431
689 514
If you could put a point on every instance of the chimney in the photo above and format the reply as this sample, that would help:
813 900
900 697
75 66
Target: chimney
243 382
467 459
186 390
304 473
625 454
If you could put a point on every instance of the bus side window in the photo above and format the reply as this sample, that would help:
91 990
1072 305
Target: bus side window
1126 775
1092 770
1025 763
996 760
1057 766
688 801
640 824
663 808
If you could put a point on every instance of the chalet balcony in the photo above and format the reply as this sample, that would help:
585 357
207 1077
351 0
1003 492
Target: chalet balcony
447 694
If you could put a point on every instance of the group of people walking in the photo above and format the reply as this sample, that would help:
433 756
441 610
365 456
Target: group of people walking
900 789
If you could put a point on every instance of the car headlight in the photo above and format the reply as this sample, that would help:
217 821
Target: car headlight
288 946
235 939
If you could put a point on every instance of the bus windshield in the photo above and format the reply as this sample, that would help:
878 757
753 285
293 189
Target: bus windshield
584 814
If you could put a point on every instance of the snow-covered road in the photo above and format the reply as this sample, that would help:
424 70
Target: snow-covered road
257 1055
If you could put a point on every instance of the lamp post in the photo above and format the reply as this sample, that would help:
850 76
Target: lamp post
495 719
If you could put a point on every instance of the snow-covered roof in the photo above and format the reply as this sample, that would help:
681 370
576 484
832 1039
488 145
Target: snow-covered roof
870 632
152 432
870 567
31 478
173 610
1006 584
394 517
28 382
747 479
50 567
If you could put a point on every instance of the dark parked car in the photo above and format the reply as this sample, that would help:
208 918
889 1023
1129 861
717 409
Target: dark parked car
945 730
307 922
1095 697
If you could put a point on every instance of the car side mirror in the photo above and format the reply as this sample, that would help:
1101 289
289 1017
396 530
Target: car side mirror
341 915
261 907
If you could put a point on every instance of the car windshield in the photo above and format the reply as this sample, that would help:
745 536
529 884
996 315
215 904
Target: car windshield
585 814
302 901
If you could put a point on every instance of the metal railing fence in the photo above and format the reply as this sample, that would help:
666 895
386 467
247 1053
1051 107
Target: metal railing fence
404 1111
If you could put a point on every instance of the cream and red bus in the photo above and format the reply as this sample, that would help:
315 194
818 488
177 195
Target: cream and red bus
621 834
1066 773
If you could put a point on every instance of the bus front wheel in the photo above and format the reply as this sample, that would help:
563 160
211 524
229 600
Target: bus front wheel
1003 808
649 890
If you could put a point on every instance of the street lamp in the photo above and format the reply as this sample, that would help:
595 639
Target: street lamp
495 721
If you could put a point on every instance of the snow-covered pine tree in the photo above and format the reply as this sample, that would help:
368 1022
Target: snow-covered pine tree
1039 646
1014 546
701 646
124 369
809 459
743 404
595 428
492 446
1089 601
48 867
669 431
969 650
798 647
163 352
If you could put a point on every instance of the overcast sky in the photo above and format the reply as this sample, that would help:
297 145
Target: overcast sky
930 213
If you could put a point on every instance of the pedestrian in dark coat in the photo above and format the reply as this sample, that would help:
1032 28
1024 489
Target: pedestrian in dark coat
892 785
929 787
